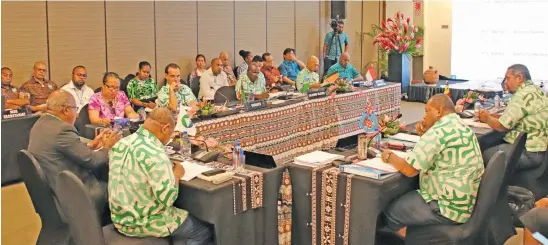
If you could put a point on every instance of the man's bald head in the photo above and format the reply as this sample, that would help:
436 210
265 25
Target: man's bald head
344 59
223 56
160 123
61 104
39 70
313 63
39 63
442 102
59 99
253 71
162 115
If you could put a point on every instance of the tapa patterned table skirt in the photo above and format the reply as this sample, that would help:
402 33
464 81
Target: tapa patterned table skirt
296 129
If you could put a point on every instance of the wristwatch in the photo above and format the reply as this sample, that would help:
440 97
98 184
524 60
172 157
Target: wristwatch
388 156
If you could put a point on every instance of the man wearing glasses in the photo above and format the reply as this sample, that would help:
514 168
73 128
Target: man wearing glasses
38 87
78 88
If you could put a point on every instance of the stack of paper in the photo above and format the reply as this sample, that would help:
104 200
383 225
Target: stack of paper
476 124
192 170
317 158
405 137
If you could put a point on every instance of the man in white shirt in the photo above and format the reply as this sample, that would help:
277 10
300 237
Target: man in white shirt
77 87
212 79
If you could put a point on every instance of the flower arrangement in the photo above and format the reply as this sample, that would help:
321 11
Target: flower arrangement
398 35
207 108
340 85
468 100
391 125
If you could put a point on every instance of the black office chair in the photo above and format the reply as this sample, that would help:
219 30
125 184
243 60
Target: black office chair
235 70
54 230
124 83
473 231
500 224
187 78
97 90
83 119
223 94
535 179
195 86
83 220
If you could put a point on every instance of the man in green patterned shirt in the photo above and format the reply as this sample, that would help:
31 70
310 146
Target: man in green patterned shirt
527 112
142 89
308 78
252 81
143 185
174 93
448 159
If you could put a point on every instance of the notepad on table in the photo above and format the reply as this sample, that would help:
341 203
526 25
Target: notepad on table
405 137
192 170
317 158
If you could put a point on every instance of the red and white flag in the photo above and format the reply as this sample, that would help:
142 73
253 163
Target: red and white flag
370 75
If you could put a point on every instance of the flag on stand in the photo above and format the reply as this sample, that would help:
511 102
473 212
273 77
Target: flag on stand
370 75
447 91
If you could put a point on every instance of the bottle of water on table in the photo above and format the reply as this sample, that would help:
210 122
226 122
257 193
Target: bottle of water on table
185 146
497 101
251 96
238 158
477 108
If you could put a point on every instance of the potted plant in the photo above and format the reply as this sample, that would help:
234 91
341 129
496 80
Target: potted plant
468 100
207 109
397 39
391 125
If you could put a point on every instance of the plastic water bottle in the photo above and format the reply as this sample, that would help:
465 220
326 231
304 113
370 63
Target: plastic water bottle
477 108
251 96
236 153
185 146
142 114
497 101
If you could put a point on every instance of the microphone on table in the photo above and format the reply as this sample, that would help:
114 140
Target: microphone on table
205 156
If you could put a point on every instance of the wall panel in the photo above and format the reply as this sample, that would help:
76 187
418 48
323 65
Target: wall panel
80 41
353 28
24 37
130 36
371 15
215 28
250 27
308 29
281 28
176 35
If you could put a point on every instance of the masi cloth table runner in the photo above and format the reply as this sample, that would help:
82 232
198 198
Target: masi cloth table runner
296 129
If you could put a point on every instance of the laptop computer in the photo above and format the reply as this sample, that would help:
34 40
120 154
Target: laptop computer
259 160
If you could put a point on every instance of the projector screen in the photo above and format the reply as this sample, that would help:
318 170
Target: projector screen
489 36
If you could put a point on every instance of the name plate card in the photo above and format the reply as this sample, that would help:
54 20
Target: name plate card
10 114
379 83
254 105
316 93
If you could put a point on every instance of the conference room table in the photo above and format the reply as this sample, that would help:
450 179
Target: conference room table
421 92
335 208
15 137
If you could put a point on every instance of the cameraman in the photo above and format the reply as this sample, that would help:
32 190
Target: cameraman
332 49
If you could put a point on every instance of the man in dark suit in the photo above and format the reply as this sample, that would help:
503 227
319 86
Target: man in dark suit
57 147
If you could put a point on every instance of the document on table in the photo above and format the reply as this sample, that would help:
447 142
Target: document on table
405 137
192 170
476 124
377 163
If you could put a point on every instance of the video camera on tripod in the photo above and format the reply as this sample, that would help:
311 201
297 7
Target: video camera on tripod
335 24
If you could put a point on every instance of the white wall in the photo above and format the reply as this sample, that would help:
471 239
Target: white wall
405 7
437 44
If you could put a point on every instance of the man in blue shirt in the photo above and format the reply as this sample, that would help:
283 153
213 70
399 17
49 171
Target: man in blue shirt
345 69
332 49
290 67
